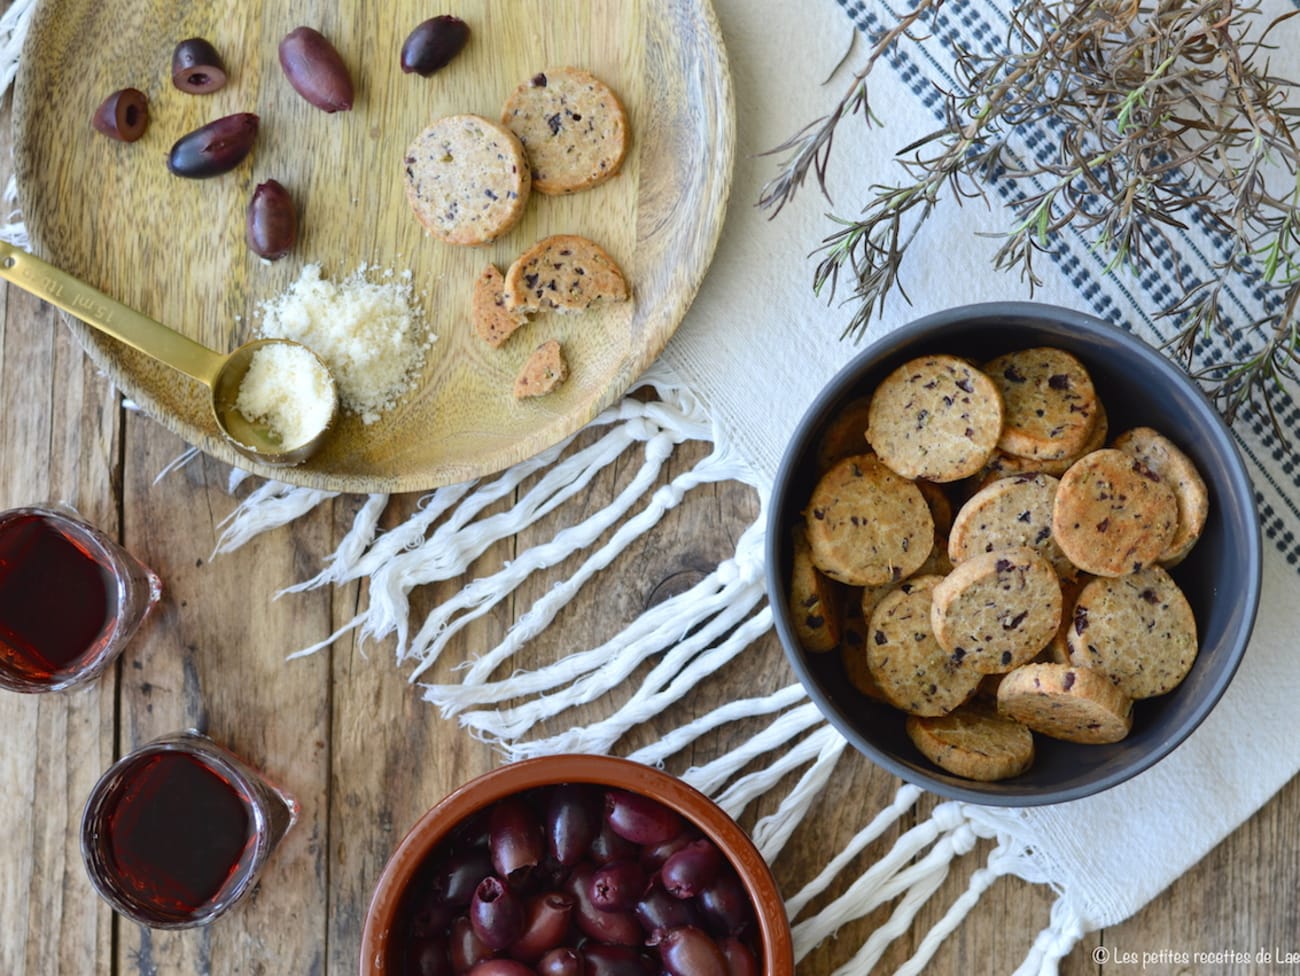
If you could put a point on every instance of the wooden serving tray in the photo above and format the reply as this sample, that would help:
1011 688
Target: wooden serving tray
173 248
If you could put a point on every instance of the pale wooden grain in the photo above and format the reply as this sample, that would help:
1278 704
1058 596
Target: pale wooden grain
349 736
173 248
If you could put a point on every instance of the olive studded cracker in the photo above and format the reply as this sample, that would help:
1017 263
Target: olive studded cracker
466 179
563 273
1010 512
814 602
912 670
935 417
543 372
1112 514
1049 401
493 322
1138 630
572 126
973 742
1160 454
997 610
1065 701
866 525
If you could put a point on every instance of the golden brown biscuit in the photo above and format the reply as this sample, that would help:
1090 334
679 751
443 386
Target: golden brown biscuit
564 273
493 322
1010 512
545 370
1049 400
1066 702
814 602
1159 454
973 742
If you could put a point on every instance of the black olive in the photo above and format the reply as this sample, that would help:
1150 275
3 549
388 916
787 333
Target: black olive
215 148
197 67
316 70
433 44
123 115
272 225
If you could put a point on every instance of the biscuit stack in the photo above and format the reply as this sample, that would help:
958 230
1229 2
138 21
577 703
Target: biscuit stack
984 563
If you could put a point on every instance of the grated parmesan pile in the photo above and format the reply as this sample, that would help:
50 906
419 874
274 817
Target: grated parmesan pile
286 389
367 333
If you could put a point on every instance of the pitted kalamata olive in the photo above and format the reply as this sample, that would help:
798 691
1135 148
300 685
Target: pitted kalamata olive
616 960
501 967
271 229
659 910
688 951
740 958
726 907
428 957
653 856
456 878
692 868
546 923
572 821
433 44
563 961
316 70
608 846
617 886
123 115
215 148
464 946
615 928
496 914
197 67
640 819
514 838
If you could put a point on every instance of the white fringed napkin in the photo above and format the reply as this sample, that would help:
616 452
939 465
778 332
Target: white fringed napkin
753 351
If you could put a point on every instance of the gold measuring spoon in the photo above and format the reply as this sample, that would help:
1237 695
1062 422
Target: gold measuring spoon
222 375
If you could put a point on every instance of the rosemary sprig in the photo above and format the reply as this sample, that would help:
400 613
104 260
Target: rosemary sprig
1165 114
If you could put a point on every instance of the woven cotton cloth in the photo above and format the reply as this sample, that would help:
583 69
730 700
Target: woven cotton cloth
753 351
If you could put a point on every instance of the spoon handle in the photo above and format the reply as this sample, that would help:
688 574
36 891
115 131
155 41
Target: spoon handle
108 315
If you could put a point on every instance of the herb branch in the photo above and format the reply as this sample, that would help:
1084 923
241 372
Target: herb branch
1165 114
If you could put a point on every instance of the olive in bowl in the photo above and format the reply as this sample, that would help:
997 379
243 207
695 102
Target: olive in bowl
578 864
1219 576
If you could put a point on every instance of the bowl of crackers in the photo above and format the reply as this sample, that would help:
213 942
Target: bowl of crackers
1013 554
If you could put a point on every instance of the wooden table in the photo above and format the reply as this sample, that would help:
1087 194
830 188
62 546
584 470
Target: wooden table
346 733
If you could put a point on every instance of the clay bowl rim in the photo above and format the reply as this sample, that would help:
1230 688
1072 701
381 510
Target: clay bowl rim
776 939
1027 324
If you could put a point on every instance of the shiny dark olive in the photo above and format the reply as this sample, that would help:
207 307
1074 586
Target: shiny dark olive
657 909
428 957
546 924
496 914
725 905
617 886
316 70
616 960
514 838
572 821
563 961
640 819
215 148
653 856
608 846
465 947
501 967
123 115
692 868
456 878
688 951
614 928
433 44
271 228
197 67
741 960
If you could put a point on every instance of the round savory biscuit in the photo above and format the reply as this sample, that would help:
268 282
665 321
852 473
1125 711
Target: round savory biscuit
1160 454
853 653
1050 404
996 610
913 672
973 742
467 179
1113 515
1004 465
935 417
1067 702
1137 630
563 273
814 603
572 126
866 525
1010 512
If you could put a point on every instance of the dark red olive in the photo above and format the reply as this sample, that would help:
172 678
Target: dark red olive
501 967
659 910
430 914
572 821
691 868
514 838
617 886
271 229
496 914
616 960
456 878
654 855
316 70
563 961
546 923
123 115
197 67
608 846
433 44
640 819
615 928
725 904
215 148
427 957
741 960
688 951
465 947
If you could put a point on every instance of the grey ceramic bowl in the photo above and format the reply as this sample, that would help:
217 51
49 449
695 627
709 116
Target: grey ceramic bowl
1221 577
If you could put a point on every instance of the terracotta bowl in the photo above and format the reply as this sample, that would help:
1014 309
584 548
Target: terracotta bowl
1221 577
379 937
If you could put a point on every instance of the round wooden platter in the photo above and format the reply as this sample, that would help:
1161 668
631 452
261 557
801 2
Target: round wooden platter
113 215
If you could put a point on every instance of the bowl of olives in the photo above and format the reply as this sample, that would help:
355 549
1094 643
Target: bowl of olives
576 866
